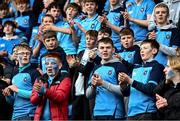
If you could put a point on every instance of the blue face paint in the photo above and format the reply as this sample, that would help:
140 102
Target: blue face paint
52 67
170 74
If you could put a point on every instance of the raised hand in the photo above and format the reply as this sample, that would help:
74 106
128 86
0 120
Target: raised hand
160 102
124 78
96 80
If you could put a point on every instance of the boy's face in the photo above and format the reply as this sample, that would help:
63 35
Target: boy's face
90 42
50 43
55 12
22 7
90 8
161 15
147 52
114 2
23 57
3 13
52 66
102 35
71 12
106 50
47 20
8 29
127 41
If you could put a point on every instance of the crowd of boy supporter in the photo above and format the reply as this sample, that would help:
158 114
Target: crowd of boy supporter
89 59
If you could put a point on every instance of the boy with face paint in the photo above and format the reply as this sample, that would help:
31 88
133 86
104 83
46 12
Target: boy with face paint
144 78
20 91
51 91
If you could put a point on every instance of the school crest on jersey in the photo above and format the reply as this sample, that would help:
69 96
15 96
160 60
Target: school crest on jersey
116 18
142 10
25 21
92 26
168 37
145 72
109 72
130 56
25 79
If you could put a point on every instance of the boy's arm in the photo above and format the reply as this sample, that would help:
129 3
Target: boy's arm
37 48
104 20
75 38
168 50
91 92
81 27
154 78
112 88
61 93
57 29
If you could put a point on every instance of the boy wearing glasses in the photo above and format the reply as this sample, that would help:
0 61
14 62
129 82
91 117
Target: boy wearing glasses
18 94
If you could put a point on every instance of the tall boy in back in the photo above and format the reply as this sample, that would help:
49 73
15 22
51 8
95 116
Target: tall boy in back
103 85
25 19
145 77
90 23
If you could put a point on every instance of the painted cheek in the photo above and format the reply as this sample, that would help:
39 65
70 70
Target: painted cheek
55 67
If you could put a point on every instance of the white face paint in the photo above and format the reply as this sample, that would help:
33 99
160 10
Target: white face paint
52 66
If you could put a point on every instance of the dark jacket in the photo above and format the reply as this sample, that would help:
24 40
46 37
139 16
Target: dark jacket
172 95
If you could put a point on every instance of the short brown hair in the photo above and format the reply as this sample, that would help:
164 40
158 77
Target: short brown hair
48 15
106 40
23 45
21 1
11 23
92 33
49 34
162 5
94 1
75 6
154 44
4 6
126 31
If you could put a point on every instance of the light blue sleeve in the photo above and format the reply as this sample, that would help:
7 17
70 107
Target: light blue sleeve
150 7
24 93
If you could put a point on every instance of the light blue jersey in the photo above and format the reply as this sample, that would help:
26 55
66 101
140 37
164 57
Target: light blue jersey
7 45
65 40
24 80
163 37
116 19
139 11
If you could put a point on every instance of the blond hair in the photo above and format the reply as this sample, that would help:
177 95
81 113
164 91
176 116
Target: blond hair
174 62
